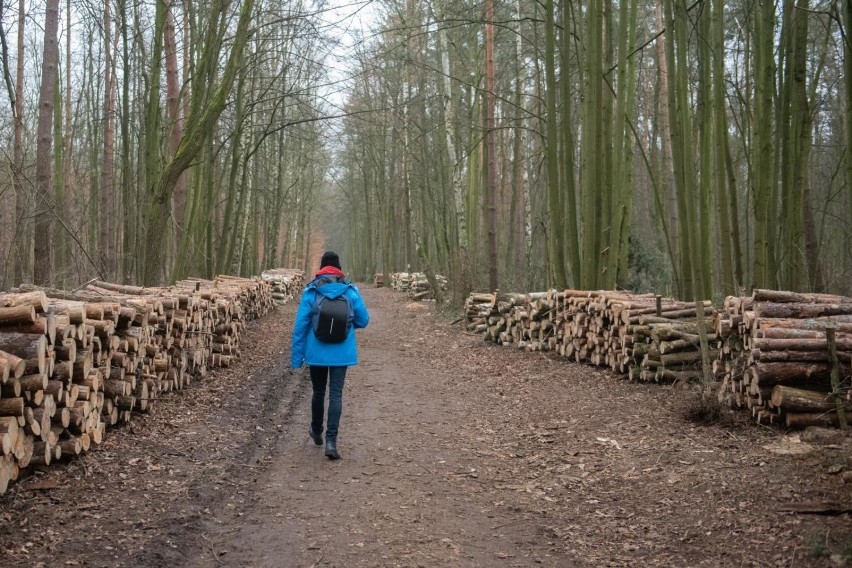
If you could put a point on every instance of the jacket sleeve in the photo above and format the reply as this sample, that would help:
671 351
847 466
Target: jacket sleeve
301 329
361 316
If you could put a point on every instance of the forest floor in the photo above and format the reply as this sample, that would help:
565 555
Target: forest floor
455 453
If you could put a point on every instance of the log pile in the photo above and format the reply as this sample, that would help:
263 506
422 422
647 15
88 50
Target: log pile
287 283
379 280
775 359
416 284
661 337
640 336
769 351
74 363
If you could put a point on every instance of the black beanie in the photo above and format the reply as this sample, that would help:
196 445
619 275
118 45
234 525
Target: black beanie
330 258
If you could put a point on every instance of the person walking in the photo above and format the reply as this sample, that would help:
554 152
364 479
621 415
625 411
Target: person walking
330 310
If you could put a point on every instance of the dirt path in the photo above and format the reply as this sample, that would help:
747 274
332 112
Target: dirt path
408 490
455 453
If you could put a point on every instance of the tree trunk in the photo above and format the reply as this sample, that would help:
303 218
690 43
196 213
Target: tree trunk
108 221
225 255
666 193
518 217
704 283
173 118
43 237
692 265
567 181
555 241
847 65
729 278
62 218
23 234
128 186
71 211
450 125
592 163
490 144
622 149
763 163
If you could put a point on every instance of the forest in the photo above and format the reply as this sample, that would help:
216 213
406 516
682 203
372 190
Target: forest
694 148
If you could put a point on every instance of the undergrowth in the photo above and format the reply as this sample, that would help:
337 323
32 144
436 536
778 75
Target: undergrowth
825 546
706 409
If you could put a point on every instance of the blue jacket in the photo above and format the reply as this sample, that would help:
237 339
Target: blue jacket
307 348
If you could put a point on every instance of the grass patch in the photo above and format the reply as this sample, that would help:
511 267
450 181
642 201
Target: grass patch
825 546
817 546
847 549
706 410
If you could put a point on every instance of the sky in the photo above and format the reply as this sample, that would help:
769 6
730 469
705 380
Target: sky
347 21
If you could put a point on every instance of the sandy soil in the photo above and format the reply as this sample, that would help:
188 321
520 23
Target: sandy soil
455 453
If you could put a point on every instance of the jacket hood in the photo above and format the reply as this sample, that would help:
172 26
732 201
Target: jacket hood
330 290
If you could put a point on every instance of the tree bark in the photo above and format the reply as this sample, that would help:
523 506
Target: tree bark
763 269
108 222
173 118
555 241
592 146
800 311
450 125
43 237
490 144
23 233
847 65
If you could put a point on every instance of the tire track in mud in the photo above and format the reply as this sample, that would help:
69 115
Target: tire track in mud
184 534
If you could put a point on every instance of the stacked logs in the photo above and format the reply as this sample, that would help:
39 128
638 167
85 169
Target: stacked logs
287 283
661 338
401 281
521 320
642 336
416 284
769 351
775 358
74 363
379 280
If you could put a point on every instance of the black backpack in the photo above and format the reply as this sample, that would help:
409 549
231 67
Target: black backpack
332 318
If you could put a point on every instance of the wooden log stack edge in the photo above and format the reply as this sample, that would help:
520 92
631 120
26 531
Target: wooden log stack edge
287 283
73 364
768 351
414 283
774 356
638 335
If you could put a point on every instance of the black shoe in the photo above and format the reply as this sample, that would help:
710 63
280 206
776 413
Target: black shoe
317 438
331 450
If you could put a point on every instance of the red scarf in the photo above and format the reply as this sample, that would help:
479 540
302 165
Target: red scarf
331 271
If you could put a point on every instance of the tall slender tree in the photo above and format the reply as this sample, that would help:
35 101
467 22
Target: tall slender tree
42 242
490 144
107 236
23 231
847 65
556 240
